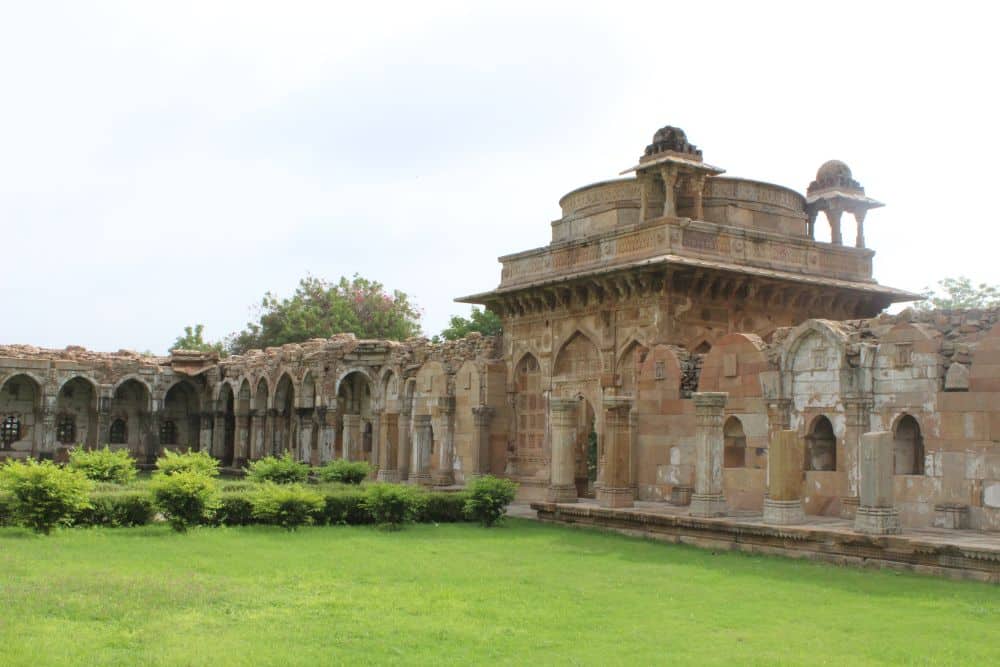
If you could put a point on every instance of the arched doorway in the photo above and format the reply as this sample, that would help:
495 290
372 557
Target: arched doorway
821 446
354 403
76 414
130 420
284 407
734 455
586 452
180 423
228 403
20 403
908 447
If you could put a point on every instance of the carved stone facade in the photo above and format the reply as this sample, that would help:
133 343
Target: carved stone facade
678 322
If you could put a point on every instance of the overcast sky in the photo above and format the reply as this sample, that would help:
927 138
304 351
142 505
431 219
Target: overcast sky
163 164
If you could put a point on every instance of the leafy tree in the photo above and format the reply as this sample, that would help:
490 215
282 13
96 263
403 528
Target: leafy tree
957 293
193 339
485 322
319 309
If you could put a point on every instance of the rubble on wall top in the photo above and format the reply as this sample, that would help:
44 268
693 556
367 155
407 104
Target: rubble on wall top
78 353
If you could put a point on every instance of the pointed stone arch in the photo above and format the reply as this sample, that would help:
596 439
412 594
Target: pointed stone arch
578 358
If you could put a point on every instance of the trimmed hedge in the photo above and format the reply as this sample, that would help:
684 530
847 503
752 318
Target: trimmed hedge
488 499
117 509
103 465
440 507
283 470
345 472
344 508
235 509
186 498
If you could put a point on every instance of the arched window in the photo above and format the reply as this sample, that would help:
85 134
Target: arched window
118 434
821 446
735 454
168 432
10 430
909 447
66 429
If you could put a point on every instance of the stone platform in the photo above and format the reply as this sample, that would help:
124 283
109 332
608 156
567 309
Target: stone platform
957 554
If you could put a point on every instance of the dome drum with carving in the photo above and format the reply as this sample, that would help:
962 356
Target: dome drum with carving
835 175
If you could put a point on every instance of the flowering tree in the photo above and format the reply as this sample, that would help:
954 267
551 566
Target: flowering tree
319 309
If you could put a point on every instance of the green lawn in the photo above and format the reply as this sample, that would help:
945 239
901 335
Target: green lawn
525 593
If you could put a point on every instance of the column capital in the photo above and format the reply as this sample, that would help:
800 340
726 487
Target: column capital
614 402
560 404
710 400
482 415
421 420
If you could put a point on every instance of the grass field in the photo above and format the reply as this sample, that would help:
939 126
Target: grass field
525 593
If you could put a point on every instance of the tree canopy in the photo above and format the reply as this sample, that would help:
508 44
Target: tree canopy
957 293
484 321
194 339
320 309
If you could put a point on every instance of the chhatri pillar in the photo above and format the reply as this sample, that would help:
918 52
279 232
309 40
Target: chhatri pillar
617 490
708 499
562 421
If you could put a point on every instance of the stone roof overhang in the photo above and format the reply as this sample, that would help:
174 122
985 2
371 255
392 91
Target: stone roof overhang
835 193
674 158
892 294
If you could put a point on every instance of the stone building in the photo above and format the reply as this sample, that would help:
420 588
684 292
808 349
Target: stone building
677 325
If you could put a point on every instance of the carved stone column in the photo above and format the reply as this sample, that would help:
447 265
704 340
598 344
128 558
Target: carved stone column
811 223
304 445
270 447
481 418
669 175
445 473
328 433
388 451
205 433
877 514
708 499
103 424
698 193
783 504
352 437
857 421
218 434
616 490
47 441
405 448
562 421
420 459
242 446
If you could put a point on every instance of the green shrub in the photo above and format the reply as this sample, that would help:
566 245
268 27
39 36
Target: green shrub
346 472
186 498
6 509
344 506
392 505
286 505
488 499
201 462
284 470
236 486
42 495
103 465
117 509
440 507
235 509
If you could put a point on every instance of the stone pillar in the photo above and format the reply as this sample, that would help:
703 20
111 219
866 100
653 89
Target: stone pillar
218 435
405 448
857 420
616 490
859 216
481 418
669 175
811 223
833 215
445 473
47 442
305 417
104 422
328 433
388 451
783 503
698 193
269 430
562 423
256 435
876 514
352 437
708 498
420 459
242 446
645 183
205 434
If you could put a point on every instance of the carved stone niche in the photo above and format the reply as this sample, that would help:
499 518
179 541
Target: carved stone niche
957 378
